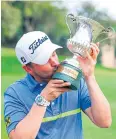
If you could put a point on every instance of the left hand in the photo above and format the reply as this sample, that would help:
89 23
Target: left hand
88 64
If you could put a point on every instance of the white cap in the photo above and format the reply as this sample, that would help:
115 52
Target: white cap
35 47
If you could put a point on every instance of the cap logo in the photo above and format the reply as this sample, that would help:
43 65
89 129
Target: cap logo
23 59
37 43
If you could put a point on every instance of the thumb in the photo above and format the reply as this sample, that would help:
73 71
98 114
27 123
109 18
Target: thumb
79 58
98 44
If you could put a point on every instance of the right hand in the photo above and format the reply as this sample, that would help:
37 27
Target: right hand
54 88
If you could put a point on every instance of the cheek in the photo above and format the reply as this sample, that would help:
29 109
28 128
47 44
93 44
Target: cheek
44 68
56 57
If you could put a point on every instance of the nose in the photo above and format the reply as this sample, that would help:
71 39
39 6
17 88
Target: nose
54 62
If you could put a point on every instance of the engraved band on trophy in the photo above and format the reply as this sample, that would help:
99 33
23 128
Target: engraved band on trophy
83 31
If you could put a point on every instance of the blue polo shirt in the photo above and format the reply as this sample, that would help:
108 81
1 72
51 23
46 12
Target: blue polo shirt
62 119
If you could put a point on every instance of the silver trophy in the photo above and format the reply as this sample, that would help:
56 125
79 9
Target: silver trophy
83 31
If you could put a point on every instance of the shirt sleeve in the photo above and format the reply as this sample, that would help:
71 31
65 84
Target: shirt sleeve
14 110
85 98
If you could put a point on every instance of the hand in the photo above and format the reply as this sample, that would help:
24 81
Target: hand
54 88
88 64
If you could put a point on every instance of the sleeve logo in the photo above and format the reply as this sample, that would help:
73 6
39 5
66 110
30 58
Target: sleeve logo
7 121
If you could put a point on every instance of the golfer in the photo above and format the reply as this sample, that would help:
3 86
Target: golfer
38 107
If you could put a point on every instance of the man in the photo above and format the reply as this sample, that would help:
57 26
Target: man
42 108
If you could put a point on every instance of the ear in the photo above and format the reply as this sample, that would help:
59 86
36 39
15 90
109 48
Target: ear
27 69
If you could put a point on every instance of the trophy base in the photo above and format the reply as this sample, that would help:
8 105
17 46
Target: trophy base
68 73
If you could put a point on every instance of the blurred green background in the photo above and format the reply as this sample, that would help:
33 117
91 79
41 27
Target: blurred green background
18 17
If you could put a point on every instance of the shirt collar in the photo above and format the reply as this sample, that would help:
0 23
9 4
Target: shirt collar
33 84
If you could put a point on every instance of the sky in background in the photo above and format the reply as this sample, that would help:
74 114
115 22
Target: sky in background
106 5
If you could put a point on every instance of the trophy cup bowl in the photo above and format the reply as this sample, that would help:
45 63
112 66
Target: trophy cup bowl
83 31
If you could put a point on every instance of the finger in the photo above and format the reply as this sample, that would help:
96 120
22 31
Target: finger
98 44
93 50
95 46
62 90
59 91
80 58
94 53
97 49
88 55
62 85
65 84
56 81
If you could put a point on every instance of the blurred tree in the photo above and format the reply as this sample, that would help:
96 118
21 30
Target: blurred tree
43 16
19 17
11 21
89 10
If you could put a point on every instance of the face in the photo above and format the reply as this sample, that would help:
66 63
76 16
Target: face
44 72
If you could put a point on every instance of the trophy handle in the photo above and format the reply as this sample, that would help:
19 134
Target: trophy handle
71 17
109 31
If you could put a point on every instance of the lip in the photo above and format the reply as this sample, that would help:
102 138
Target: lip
54 70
